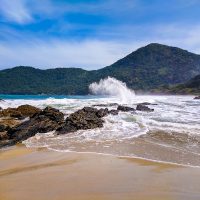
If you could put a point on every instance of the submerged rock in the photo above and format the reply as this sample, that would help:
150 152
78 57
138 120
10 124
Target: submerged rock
125 108
142 107
198 97
106 105
86 118
148 104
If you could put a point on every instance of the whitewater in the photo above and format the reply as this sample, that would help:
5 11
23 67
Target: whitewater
169 134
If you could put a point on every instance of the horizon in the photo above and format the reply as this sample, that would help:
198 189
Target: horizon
91 34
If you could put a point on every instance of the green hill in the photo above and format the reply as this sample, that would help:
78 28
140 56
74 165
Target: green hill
190 87
147 68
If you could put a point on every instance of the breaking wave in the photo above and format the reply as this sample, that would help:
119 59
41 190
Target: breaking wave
113 87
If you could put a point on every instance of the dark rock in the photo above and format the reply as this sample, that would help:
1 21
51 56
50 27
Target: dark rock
2 127
86 118
3 136
198 97
44 121
148 104
106 105
142 107
113 112
0 108
125 108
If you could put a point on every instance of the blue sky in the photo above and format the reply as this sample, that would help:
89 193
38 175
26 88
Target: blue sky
92 33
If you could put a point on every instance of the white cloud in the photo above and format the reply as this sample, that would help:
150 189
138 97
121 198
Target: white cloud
87 54
15 11
91 53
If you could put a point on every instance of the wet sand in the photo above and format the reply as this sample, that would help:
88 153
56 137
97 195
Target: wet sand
40 174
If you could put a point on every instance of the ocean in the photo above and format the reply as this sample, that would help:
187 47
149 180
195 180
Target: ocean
170 134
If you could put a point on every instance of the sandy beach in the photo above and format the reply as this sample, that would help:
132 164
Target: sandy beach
42 174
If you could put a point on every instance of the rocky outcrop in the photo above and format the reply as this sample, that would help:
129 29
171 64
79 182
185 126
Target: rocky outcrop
20 113
47 120
198 97
86 118
125 108
44 121
142 107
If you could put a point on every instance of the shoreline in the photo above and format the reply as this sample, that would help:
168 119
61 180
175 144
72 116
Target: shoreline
39 173
120 157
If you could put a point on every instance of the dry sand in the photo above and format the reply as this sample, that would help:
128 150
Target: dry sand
40 174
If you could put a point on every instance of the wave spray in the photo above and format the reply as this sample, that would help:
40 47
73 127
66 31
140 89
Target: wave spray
113 87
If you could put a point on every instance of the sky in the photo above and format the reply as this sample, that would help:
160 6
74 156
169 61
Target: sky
92 34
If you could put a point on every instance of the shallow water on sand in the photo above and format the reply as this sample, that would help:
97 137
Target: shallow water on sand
169 134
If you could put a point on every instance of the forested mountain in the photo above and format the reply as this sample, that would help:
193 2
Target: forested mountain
147 68
190 87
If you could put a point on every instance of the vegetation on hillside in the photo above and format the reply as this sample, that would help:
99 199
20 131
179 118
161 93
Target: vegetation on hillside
150 67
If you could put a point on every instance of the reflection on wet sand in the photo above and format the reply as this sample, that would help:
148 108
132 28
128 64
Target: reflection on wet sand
43 174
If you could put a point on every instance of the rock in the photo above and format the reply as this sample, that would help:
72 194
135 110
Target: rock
2 127
142 107
113 112
3 135
20 113
148 104
44 121
198 97
86 118
125 108
106 105
11 112
28 110
0 108
9 122
102 112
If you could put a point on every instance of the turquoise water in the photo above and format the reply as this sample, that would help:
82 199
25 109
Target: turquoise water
39 97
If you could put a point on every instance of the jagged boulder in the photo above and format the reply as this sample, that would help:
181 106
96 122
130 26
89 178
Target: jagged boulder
142 107
86 118
125 108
